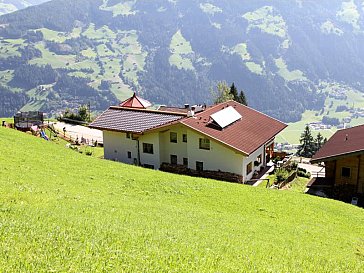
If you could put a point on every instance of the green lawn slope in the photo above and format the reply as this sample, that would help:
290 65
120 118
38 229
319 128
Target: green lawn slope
61 211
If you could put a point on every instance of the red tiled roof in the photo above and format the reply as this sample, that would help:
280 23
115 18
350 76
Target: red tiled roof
135 102
133 120
246 135
343 142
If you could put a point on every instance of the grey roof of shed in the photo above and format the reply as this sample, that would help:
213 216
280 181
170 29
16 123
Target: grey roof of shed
133 120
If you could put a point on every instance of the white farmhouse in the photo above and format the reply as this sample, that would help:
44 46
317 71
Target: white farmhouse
227 138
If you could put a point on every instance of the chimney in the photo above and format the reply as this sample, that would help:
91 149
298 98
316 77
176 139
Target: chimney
190 113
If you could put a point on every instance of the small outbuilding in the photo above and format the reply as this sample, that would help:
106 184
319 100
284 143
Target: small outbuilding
343 157
24 121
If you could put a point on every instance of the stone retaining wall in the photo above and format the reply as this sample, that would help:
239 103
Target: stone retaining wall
217 175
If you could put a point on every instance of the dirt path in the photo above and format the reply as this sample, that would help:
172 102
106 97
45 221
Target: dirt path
77 131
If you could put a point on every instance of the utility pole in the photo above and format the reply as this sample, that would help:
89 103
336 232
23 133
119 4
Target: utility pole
89 111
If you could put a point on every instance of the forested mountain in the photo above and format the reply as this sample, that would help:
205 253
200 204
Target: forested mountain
282 53
7 6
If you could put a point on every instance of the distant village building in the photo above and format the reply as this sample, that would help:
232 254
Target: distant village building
343 156
225 138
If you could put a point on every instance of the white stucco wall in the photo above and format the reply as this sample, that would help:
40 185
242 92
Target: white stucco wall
168 148
150 159
117 146
252 158
219 157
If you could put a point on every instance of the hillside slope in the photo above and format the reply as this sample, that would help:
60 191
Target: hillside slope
282 53
7 6
65 212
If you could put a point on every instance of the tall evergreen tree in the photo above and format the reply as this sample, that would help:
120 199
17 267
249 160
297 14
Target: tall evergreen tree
319 141
234 92
242 98
239 97
307 148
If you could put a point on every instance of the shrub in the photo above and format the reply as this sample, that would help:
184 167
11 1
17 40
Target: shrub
281 175
294 165
302 170
303 174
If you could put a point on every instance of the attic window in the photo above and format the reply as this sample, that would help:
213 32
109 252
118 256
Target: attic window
173 137
226 117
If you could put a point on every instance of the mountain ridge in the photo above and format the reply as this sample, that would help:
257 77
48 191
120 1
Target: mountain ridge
173 52
8 6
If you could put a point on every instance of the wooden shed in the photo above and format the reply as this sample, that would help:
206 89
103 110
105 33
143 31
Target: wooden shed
343 156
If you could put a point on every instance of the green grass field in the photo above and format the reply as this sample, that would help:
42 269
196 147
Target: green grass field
180 50
9 47
267 20
285 73
350 14
61 211
210 8
125 8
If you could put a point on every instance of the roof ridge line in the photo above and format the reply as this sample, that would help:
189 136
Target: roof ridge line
147 110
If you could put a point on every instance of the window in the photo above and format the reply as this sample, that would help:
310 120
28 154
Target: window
148 166
173 137
249 168
259 159
173 159
129 154
127 135
199 166
147 148
345 172
204 144
184 138
185 161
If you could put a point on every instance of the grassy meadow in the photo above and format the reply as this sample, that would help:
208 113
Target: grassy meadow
61 211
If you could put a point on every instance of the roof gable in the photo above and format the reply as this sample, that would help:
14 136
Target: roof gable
135 102
343 142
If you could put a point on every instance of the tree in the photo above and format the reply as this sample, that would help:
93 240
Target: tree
238 97
242 99
319 141
234 92
221 93
307 147
83 113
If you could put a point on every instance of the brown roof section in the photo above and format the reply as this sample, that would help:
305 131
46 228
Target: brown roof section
133 120
343 142
246 135
173 109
